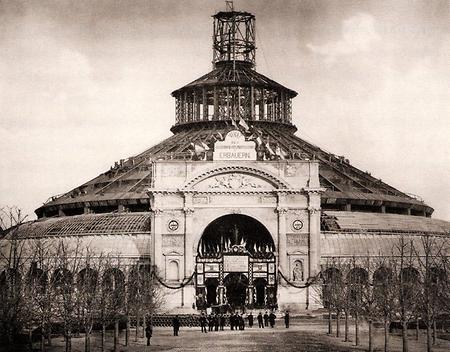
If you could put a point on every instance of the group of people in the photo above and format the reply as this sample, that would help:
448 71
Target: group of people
216 322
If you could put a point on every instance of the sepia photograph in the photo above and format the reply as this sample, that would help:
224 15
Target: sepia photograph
210 175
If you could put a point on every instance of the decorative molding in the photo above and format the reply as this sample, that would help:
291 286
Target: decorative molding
158 211
188 211
313 210
314 190
282 210
233 181
240 169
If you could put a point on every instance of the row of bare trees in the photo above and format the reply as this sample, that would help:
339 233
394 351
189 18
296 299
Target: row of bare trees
411 284
49 283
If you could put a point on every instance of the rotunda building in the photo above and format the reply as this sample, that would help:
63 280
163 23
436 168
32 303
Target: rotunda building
233 208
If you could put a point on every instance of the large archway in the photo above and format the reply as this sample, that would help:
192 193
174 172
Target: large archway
236 260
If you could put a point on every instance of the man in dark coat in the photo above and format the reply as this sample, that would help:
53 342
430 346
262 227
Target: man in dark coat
148 333
232 321
266 319
250 320
210 322
272 317
216 322
176 325
203 322
260 320
286 320
222 321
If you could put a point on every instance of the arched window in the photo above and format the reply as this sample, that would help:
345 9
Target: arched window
173 271
37 278
409 280
87 279
357 281
62 280
332 286
113 285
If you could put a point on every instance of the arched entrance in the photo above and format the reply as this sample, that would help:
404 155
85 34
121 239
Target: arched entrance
235 263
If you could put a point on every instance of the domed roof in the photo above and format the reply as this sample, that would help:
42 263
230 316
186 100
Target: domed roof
127 181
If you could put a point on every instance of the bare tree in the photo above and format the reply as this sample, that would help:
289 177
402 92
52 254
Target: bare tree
12 260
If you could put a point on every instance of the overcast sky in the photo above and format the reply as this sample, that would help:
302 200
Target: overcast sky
84 83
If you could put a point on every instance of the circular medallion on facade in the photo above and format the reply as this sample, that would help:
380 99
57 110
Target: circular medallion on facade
173 225
297 225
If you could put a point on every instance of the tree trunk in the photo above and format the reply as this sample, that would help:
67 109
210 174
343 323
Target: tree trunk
49 335
127 332
30 339
370 336
356 329
42 340
404 336
87 341
428 337
346 327
116 334
137 328
338 326
386 335
103 336
330 329
69 341
434 332
144 326
417 329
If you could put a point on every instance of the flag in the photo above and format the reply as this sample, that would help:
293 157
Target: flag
258 141
279 152
243 124
204 146
198 149
234 123
269 149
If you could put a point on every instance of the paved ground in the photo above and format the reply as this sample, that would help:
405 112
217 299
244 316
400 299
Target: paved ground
304 336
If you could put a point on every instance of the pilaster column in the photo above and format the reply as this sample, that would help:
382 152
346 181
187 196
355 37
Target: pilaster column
157 237
188 235
314 233
282 255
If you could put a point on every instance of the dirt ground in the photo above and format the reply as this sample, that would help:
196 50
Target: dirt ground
302 336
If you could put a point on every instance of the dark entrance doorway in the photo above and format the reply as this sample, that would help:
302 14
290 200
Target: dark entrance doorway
260 292
236 285
211 291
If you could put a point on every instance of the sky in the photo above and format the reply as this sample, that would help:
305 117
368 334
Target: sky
85 83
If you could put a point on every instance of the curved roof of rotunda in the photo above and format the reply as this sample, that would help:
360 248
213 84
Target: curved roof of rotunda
127 181
85 225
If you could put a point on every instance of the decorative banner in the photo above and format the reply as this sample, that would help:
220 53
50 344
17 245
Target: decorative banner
208 275
234 147
235 263
259 267
211 267
257 275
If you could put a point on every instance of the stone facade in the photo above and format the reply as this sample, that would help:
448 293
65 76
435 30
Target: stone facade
283 196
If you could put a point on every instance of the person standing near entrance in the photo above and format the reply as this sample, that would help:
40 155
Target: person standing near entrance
266 319
176 325
260 320
222 321
286 320
272 317
203 323
149 333
250 320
